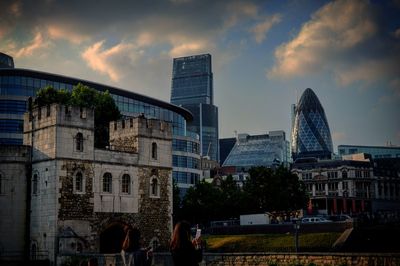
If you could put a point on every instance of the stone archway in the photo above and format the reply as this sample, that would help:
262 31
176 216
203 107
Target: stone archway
111 238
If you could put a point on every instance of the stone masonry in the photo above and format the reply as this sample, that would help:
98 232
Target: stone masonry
82 197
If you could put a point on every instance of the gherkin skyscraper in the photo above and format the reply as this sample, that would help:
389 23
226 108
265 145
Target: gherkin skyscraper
311 136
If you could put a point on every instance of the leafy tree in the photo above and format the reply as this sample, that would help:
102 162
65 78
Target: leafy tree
201 203
105 109
49 95
265 190
274 190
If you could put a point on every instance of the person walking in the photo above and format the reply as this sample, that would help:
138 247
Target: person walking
185 252
132 253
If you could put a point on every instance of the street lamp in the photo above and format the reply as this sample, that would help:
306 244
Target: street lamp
296 225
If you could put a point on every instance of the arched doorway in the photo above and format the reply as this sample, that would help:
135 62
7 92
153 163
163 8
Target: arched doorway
111 238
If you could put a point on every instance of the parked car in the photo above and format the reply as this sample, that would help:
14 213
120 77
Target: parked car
315 220
340 218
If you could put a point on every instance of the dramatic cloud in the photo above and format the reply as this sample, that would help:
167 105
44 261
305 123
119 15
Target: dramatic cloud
344 38
260 30
37 43
59 32
106 61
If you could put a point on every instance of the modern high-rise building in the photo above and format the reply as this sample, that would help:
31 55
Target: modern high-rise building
311 136
17 85
192 88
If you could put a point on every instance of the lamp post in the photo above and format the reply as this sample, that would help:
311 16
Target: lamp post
296 225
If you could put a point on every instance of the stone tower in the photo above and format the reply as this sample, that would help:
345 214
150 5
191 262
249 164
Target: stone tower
82 197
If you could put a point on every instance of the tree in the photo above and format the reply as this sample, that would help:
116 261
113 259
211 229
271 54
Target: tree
105 109
274 190
49 95
265 190
202 203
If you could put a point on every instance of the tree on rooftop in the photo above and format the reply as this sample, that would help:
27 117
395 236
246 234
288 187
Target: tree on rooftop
105 109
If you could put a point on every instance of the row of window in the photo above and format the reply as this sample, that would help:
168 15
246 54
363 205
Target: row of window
24 81
185 146
185 178
106 184
185 162
12 107
335 175
11 126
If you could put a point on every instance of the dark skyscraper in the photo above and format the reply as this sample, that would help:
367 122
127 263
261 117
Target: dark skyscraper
311 136
192 88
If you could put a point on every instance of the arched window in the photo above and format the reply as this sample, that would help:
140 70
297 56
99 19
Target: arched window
126 184
35 184
78 182
107 183
33 252
79 142
344 174
154 151
154 187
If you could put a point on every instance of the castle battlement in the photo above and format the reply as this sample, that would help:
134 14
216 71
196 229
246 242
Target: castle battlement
61 115
140 126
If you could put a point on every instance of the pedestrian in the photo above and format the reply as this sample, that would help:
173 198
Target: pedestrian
132 253
185 252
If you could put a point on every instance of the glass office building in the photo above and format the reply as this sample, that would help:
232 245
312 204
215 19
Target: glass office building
267 150
311 136
192 88
17 85
376 152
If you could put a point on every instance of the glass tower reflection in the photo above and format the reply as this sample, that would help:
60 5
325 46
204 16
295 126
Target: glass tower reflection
192 88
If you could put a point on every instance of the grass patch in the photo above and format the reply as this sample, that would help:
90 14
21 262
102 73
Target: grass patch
270 242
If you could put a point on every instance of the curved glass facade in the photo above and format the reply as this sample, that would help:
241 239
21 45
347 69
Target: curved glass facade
6 61
311 136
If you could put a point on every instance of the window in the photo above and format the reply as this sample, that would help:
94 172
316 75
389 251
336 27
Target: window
125 184
154 187
332 175
154 151
107 183
82 113
358 173
48 110
344 174
78 183
35 182
79 142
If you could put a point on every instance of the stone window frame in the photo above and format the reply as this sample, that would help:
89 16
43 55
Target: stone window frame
83 182
154 192
110 189
154 151
154 243
122 184
79 142
35 183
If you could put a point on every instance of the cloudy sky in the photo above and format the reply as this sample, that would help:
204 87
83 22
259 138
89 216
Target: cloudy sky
265 54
